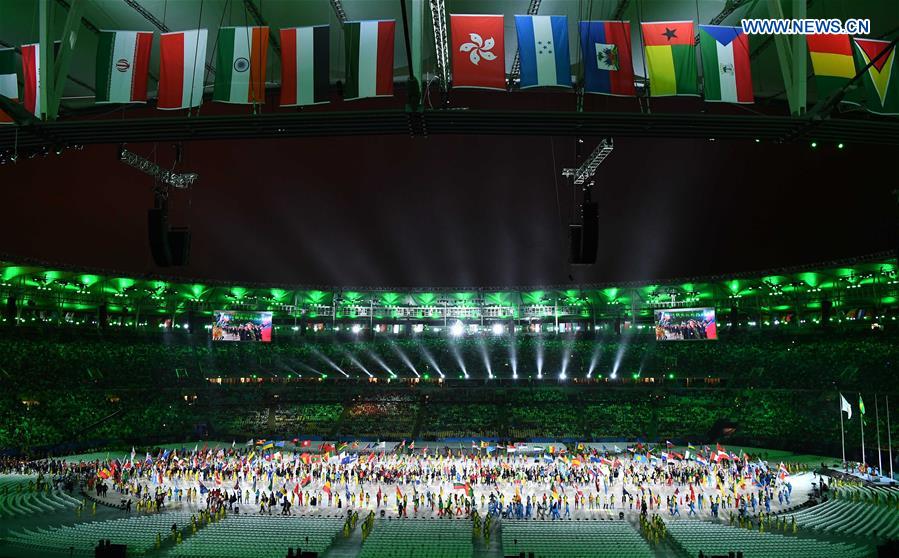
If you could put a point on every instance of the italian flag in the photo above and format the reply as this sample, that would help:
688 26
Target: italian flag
305 64
9 87
725 64
240 65
670 58
123 60
31 64
369 58
182 62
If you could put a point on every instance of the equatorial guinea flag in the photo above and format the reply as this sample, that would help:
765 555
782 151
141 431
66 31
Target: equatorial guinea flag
123 60
369 58
182 64
479 56
240 65
670 58
305 64
9 87
881 87
31 63
606 48
725 64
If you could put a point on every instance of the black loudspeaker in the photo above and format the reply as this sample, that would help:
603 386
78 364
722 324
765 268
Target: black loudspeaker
158 235
179 245
584 239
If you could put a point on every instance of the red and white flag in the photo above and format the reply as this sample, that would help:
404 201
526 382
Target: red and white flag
31 66
9 87
181 69
478 45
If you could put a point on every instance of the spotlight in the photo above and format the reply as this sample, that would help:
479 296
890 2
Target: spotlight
457 329
840 145
497 329
613 375
356 328
814 144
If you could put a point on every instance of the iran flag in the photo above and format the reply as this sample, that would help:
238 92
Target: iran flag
123 60
305 64
31 65
9 87
369 58
240 65
478 50
725 64
182 63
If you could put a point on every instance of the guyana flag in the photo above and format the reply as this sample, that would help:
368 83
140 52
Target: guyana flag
670 58
832 63
881 89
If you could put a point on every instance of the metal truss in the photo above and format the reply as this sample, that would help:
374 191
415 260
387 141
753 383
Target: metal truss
441 42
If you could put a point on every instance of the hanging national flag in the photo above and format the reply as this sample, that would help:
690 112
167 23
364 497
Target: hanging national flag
882 91
305 65
543 51
832 62
845 407
181 68
725 64
479 56
31 62
9 87
123 62
606 49
240 65
670 58
369 58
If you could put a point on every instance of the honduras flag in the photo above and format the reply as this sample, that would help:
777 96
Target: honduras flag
543 51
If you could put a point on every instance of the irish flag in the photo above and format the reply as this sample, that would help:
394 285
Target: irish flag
9 87
725 64
123 60
182 62
240 65
369 58
670 58
31 63
305 64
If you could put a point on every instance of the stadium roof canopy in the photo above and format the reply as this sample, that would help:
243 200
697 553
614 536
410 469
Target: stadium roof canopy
868 283
489 112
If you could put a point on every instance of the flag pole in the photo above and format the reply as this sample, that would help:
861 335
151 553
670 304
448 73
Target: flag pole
862 426
877 418
889 439
842 431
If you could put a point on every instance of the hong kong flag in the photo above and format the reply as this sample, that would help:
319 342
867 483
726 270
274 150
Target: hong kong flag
478 51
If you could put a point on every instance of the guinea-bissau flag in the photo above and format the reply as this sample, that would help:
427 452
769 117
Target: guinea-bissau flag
606 49
670 58
369 58
123 63
832 63
305 65
881 90
9 87
725 64
240 65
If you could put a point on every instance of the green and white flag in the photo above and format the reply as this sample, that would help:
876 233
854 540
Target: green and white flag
240 65
123 61
369 58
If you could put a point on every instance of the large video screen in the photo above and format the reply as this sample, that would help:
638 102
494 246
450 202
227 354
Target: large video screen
686 324
231 325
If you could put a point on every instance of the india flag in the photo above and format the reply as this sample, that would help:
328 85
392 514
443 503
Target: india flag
305 65
369 58
9 87
240 65
182 63
123 60
725 64
31 72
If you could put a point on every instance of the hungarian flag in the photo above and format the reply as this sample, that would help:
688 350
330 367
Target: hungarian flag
369 58
31 62
9 87
543 51
123 60
240 65
725 64
606 50
305 64
670 58
832 62
182 64
479 55
882 90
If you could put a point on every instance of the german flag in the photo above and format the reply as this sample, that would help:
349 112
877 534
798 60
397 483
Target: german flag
670 58
831 62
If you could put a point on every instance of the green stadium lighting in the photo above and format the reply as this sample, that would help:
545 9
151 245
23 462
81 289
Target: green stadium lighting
840 145
814 144
670 376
